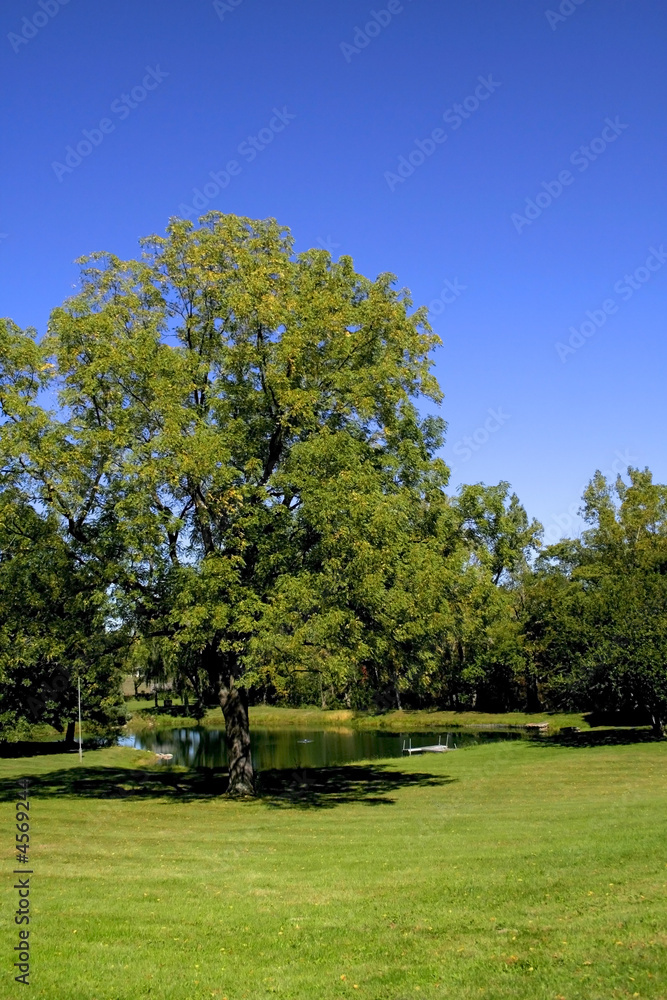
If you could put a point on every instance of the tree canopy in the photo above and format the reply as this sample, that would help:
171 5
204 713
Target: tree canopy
221 400
217 462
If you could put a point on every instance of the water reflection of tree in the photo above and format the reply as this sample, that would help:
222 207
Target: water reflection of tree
203 748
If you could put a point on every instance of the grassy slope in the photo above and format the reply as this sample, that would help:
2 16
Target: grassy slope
522 870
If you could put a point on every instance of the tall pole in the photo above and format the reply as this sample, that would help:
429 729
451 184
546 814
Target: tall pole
80 747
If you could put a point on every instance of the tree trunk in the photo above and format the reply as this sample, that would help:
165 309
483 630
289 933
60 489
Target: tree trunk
156 701
657 724
234 703
397 694
69 735
532 695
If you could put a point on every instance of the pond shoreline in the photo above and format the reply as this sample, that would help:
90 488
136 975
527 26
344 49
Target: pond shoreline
269 717
142 718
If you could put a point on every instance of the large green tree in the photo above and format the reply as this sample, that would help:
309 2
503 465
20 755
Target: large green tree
225 404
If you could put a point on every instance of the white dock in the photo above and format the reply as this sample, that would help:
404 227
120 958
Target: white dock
438 747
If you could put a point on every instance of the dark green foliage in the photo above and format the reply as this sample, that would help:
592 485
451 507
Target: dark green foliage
596 612
52 631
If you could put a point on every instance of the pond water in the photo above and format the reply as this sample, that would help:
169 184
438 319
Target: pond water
298 748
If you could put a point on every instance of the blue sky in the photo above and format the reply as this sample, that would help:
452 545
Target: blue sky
530 216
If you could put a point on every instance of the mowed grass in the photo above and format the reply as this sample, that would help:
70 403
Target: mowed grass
520 869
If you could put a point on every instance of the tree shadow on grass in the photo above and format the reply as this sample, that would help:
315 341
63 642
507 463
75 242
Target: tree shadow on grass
326 787
35 748
121 783
46 748
611 719
321 788
602 738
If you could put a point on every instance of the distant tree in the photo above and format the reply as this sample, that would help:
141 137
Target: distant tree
485 663
554 635
151 664
496 527
597 613
624 569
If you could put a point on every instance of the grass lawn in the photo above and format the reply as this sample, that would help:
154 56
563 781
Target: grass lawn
520 869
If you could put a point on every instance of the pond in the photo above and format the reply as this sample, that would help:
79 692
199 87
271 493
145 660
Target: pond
298 748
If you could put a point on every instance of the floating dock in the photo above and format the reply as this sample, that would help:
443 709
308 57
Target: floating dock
438 747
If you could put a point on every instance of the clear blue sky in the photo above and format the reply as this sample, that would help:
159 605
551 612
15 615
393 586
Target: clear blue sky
183 85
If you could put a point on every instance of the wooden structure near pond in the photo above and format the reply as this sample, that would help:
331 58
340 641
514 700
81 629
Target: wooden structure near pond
438 747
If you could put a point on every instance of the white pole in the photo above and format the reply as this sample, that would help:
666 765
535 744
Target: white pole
80 748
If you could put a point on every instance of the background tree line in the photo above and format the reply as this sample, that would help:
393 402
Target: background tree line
215 473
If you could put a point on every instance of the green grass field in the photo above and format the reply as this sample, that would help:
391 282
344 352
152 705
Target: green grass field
523 869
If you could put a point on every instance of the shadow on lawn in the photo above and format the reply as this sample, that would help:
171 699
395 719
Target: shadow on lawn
321 788
326 787
36 748
604 738
46 748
